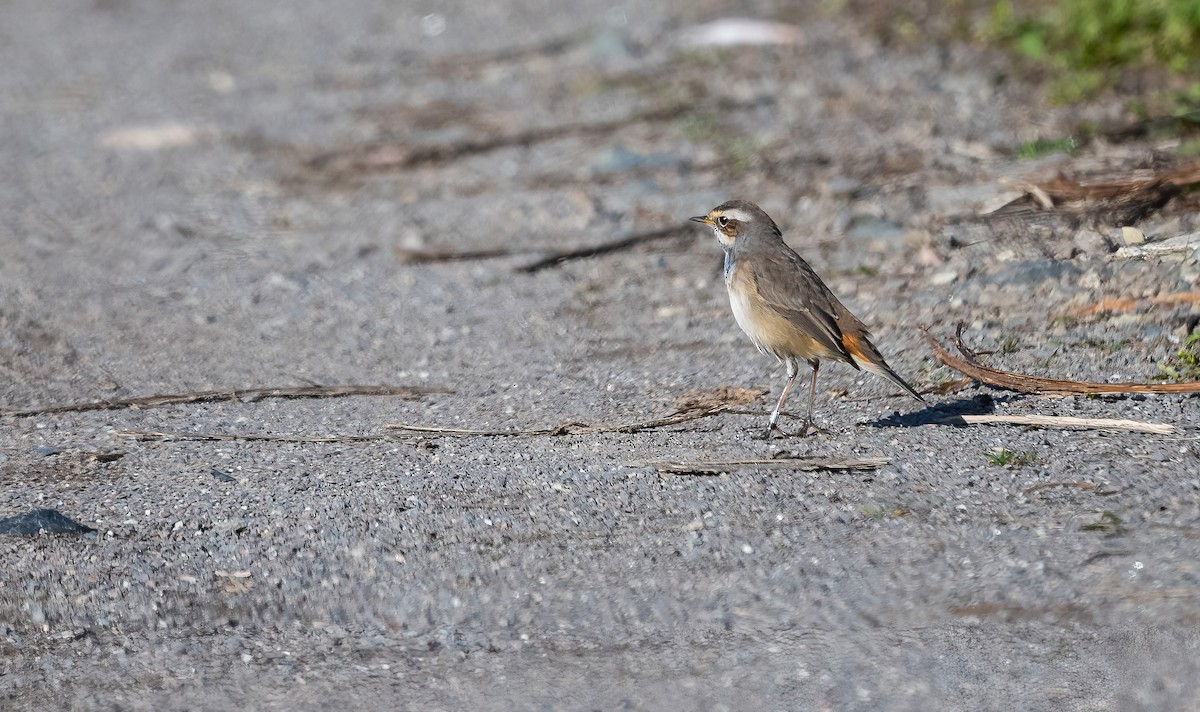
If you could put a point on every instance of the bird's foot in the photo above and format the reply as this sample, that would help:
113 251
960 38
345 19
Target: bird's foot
766 434
811 428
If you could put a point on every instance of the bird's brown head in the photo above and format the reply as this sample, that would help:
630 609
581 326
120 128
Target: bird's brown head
736 221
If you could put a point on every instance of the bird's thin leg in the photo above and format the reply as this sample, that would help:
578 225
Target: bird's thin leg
792 371
809 425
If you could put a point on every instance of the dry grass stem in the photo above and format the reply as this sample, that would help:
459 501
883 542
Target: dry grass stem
555 259
1071 485
690 406
1060 421
164 436
242 394
802 464
969 365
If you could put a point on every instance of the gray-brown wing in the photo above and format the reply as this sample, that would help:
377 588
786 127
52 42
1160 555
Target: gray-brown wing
789 286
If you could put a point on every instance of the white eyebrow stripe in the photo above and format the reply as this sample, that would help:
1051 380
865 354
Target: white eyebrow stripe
735 214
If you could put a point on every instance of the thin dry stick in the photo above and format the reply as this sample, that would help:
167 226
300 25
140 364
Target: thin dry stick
943 389
1061 421
1074 485
672 419
393 157
557 258
387 157
553 259
1124 196
573 427
561 429
244 394
166 435
1128 304
805 464
1036 384
412 257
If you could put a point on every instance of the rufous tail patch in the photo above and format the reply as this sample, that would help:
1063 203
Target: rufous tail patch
859 348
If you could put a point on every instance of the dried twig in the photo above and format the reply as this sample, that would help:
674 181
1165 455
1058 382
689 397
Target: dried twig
948 387
1182 245
387 157
166 435
244 394
1075 485
1057 421
804 464
567 428
552 259
1112 305
412 256
1036 384
672 419
1126 197
691 406
640 238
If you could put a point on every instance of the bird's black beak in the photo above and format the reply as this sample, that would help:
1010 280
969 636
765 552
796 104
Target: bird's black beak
702 219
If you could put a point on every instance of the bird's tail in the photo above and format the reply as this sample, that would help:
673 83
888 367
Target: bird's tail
868 357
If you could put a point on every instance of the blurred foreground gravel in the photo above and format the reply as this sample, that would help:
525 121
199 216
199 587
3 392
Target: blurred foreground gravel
219 195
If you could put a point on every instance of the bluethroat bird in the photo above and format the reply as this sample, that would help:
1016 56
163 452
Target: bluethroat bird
784 307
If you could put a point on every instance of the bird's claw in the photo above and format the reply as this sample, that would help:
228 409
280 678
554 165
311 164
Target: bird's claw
811 428
766 434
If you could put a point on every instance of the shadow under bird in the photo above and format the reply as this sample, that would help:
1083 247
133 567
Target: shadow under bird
784 307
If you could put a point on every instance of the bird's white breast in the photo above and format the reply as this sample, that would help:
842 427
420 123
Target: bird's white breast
739 302
741 311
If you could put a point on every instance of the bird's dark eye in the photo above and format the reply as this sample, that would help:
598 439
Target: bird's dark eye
722 221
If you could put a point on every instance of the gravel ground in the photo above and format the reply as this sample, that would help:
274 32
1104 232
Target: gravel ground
217 195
